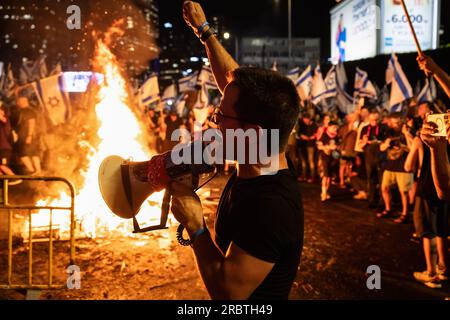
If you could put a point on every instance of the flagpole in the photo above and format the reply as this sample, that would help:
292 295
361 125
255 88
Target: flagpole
290 33
405 9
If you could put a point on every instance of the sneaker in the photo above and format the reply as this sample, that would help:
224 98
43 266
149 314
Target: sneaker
442 273
431 281
434 284
360 196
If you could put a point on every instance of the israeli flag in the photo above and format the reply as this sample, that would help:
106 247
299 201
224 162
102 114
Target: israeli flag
293 74
363 86
149 91
206 77
304 84
169 94
401 90
428 93
330 82
33 71
8 82
319 88
202 98
188 83
55 99
180 104
344 100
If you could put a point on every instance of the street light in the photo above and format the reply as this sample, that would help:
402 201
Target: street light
289 30
290 33
227 36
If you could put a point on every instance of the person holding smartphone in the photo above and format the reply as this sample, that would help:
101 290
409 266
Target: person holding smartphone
440 164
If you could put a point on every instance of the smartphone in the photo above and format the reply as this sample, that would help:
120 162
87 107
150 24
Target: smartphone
441 120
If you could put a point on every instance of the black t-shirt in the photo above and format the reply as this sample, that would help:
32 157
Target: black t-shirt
327 141
23 125
397 152
425 184
264 217
372 150
306 130
373 132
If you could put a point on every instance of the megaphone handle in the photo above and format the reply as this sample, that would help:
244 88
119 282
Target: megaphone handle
165 207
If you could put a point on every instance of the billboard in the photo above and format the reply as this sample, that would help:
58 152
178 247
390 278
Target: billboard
78 81
364 28
354 30
395 33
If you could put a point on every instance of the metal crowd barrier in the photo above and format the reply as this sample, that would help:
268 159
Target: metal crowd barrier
4 205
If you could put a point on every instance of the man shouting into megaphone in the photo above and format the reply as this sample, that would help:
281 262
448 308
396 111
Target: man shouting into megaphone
258 239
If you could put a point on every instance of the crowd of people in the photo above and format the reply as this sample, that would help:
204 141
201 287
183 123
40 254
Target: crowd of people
385 160
20 140
390 160
380 157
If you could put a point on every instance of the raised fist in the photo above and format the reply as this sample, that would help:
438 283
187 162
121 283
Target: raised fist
193 14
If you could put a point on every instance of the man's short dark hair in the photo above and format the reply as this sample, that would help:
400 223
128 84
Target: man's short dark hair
306 115
268 99
333 123
396 115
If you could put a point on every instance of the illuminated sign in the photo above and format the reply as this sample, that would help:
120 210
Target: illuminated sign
364 28
353 30
79 81
395 33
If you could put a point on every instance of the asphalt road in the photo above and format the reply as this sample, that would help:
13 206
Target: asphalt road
342 239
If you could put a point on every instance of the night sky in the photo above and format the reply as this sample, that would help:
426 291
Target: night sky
310 18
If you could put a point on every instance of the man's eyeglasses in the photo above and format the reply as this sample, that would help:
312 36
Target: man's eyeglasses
219 113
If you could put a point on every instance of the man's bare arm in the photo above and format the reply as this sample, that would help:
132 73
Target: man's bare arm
221 61
412 160
440 165
31 127
440 170
430 67
234 275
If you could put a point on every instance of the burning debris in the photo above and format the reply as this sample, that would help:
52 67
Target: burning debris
119 131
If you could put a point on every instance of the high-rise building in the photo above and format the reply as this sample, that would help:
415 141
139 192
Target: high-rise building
181 52
263 52
31 28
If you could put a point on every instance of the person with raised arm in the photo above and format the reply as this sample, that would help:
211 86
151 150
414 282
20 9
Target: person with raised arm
258 236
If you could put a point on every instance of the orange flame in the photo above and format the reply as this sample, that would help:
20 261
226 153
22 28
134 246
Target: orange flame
120 133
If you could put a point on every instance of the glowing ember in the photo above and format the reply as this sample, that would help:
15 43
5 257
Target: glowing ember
120 134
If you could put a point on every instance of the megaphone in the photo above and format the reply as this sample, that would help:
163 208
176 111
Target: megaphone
125 184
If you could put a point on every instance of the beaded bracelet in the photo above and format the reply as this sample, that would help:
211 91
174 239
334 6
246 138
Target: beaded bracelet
201 28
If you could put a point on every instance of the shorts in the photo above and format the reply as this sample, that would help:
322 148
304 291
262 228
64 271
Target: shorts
403 180
327 164
5 157
431 219
346 160
27 150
